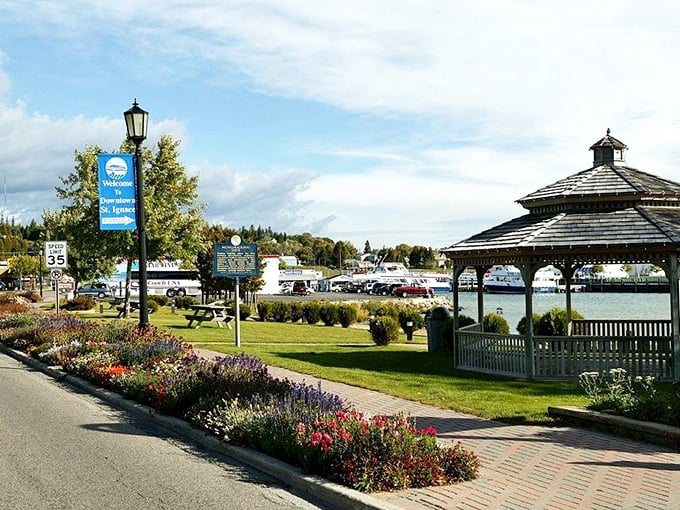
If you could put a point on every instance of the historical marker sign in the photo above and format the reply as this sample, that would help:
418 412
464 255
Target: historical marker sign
117 200
235 259
56 255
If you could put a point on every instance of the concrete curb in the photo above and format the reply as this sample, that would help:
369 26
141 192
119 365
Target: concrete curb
334 494
655 433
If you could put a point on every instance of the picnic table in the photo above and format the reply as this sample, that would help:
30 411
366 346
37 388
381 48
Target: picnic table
209 313
134 306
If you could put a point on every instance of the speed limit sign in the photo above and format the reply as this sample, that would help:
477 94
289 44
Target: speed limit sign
56 275
55 254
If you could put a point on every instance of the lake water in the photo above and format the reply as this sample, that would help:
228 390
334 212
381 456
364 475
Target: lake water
591 305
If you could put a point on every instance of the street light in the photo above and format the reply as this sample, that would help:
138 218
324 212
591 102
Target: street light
136 121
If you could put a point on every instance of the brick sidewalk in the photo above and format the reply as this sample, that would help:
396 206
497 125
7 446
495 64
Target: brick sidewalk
529 467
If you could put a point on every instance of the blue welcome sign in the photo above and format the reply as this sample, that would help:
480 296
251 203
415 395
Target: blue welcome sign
117 200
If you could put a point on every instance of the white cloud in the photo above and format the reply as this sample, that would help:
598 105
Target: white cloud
497 99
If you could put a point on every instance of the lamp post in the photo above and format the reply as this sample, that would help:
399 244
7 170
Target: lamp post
41 273
136 121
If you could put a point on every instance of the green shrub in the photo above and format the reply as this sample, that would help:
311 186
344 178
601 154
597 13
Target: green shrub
154 305
297 311
280 311
264 310
185 302
161 299
447 329
384 329
411 315
554 322
522 324
329 314
347 314
244 311
80 303
312 312
495 323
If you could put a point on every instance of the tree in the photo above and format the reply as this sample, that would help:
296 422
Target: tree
24 265
174 220
367 247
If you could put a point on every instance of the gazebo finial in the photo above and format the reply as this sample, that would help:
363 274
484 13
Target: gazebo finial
609 150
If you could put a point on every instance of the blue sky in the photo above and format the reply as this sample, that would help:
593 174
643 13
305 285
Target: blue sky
392 121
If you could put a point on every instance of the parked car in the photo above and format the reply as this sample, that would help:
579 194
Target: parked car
99 290
300 289
413 291
381 289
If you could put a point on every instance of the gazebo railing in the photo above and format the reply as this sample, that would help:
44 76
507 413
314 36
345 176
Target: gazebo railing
491 353
621 327
567 357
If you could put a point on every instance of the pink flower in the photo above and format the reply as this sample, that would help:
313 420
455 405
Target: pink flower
315 439
428 431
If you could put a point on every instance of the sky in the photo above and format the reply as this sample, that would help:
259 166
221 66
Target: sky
387 121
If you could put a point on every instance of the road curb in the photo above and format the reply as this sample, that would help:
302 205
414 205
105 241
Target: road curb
334 494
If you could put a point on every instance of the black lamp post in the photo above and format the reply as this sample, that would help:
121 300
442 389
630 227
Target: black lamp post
137 121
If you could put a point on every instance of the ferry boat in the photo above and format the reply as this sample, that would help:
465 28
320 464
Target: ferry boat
388 272
508 280
503 280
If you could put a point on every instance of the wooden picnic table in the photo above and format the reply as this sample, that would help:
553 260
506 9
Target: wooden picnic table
209 313
134 306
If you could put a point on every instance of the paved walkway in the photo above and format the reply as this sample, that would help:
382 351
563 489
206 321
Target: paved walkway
528 467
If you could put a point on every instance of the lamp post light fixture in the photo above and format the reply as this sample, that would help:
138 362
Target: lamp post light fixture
137 121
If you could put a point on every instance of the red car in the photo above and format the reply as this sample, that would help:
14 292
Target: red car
413 291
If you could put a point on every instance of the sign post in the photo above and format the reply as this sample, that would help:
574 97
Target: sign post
56 259
235 260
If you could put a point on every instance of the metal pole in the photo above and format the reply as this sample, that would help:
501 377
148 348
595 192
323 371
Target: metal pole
237 319
40 254
141 238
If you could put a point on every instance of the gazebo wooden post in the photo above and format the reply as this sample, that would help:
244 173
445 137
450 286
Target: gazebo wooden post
480 270
457 271
675 314
528 272
567 270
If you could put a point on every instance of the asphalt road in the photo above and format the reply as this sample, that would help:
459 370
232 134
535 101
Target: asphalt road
61 449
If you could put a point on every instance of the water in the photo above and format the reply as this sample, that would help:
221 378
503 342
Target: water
591 305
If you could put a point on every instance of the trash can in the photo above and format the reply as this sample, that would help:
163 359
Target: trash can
437 324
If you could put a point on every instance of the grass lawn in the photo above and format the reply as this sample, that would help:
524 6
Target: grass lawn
404 369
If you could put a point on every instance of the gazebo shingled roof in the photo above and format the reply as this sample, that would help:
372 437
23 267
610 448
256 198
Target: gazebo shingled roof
609 209
609 213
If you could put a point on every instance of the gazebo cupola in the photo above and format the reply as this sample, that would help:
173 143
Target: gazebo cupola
608 150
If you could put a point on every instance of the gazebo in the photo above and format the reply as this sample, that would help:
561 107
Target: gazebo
609 213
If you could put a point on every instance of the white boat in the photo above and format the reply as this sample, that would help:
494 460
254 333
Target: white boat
508 280
503 280
546 279
388 272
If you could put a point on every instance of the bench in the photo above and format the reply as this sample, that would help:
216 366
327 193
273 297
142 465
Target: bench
208 313
199 319
134 306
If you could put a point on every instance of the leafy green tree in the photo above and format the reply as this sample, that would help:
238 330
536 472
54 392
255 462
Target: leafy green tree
24 265
174 220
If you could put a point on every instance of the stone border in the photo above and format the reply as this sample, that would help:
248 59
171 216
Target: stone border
336 495
656 433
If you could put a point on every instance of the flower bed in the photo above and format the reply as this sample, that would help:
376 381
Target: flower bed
235 398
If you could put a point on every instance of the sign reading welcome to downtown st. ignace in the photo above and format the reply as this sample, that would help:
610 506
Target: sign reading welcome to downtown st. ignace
117 201
235 259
